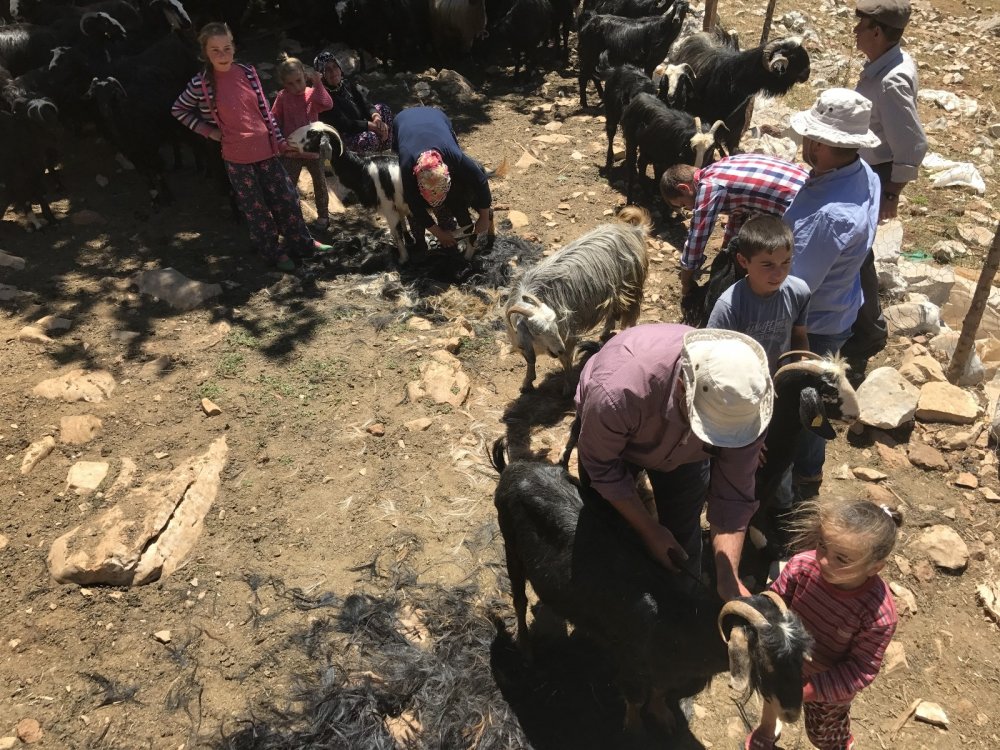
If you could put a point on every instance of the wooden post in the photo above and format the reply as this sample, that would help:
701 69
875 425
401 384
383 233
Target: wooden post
967 339
710 8
764 34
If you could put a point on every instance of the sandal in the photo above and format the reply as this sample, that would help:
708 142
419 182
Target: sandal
320 248
756 741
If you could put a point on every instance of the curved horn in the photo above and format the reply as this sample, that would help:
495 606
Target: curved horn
715 126
769 49
697 125
519 310
532 299
745 610
778 601
778 64
804 353
808 366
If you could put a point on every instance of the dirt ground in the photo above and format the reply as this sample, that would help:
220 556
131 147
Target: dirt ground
326 489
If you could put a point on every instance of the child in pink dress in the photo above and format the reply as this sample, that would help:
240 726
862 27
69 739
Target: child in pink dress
295 106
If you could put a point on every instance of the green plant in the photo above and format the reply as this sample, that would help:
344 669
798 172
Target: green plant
241 337
277 385
210 390
920 200
230 364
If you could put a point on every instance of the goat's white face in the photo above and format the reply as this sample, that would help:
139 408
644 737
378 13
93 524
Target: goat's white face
542 325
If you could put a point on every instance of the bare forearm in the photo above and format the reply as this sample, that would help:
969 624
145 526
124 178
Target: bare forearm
727 547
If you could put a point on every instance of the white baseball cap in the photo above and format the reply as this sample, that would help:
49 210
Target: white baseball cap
728 387
840 117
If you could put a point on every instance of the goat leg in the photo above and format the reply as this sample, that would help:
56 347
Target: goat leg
529 376
396 230
659 712
574 438
518 582
567 364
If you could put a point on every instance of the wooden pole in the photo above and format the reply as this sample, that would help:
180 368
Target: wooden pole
764 34
710 8
967 339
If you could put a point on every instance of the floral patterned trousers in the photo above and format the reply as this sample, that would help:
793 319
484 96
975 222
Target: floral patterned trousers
270 205
828 725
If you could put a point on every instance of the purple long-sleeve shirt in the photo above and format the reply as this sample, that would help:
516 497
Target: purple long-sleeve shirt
633 412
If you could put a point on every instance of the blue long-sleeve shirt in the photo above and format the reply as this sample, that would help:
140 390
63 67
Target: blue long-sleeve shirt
419 129
833 218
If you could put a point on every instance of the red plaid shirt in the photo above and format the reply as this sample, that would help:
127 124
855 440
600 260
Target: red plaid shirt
741 186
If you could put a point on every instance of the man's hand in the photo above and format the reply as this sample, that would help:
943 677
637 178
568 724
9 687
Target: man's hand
888 207
482 221
663 547
727 546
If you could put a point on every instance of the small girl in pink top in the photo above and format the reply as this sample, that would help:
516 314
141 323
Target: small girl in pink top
836 590
295 106
226 103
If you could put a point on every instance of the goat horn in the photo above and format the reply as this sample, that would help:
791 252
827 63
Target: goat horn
769 49
804 353
697 125
808 366
745 610
778 64
778 601
519 310
715 126
533 299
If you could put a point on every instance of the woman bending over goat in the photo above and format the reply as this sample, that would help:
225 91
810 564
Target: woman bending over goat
439 178
226 103
836 590
365 128
298 104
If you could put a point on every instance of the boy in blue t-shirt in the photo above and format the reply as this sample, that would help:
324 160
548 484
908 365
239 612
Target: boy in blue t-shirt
768 305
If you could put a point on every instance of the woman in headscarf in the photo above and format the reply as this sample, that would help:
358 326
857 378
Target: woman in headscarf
440 181
365 128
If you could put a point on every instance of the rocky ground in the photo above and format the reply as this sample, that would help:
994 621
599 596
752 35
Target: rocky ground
287 441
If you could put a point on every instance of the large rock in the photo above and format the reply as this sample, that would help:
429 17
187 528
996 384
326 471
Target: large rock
955 310
79 430
930 279
11 261
78 385
457 86
174 288
913 318
147 534
441 380
886 399
944 402
943 546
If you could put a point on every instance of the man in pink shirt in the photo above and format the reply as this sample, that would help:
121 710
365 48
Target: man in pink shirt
667 398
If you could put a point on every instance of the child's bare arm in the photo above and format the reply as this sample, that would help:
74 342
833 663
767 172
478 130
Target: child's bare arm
800 338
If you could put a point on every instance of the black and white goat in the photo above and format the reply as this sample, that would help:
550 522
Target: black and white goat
587 565
26 46
674 84
641 41
658 135
726 79
375 180
598 277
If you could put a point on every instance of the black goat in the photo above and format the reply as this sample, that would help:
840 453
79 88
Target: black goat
621 84
23 159
626 8
726 79
524 30
641 41
24 46
658 135
587 565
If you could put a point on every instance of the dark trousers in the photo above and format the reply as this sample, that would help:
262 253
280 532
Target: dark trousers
270 205
869 333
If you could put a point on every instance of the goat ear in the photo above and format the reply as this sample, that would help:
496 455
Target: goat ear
739 659
812 415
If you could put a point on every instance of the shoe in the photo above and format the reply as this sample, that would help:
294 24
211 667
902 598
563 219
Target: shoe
757 741
320 224
321 249
287 265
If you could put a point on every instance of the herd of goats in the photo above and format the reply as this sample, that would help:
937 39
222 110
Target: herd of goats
119 65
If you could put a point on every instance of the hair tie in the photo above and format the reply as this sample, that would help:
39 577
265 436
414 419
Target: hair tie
887 510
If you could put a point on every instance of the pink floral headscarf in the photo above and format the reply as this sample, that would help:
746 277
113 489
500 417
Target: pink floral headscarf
433 178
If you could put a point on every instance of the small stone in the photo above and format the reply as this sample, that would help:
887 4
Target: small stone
36 452
868 475
518 219
163 636
29 731
51 323
79 430
33 335
377 429
931 713
892 458
419 425
904 597
160 455
417 323
895 658
211 409
943 546
966 481
977 551
553 126
4 541
11 261
944 402
880 495
926 457
923 571
989 495
86 476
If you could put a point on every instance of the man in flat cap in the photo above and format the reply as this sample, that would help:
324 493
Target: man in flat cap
889 81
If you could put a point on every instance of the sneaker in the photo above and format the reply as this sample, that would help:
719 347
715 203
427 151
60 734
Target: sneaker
321 249
287 265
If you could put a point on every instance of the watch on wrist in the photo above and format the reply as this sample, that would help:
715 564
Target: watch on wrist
891 196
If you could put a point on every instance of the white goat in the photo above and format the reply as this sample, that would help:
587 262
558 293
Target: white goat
597 277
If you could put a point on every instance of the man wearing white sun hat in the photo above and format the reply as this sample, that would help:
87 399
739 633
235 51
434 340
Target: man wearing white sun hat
833 219
667 399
